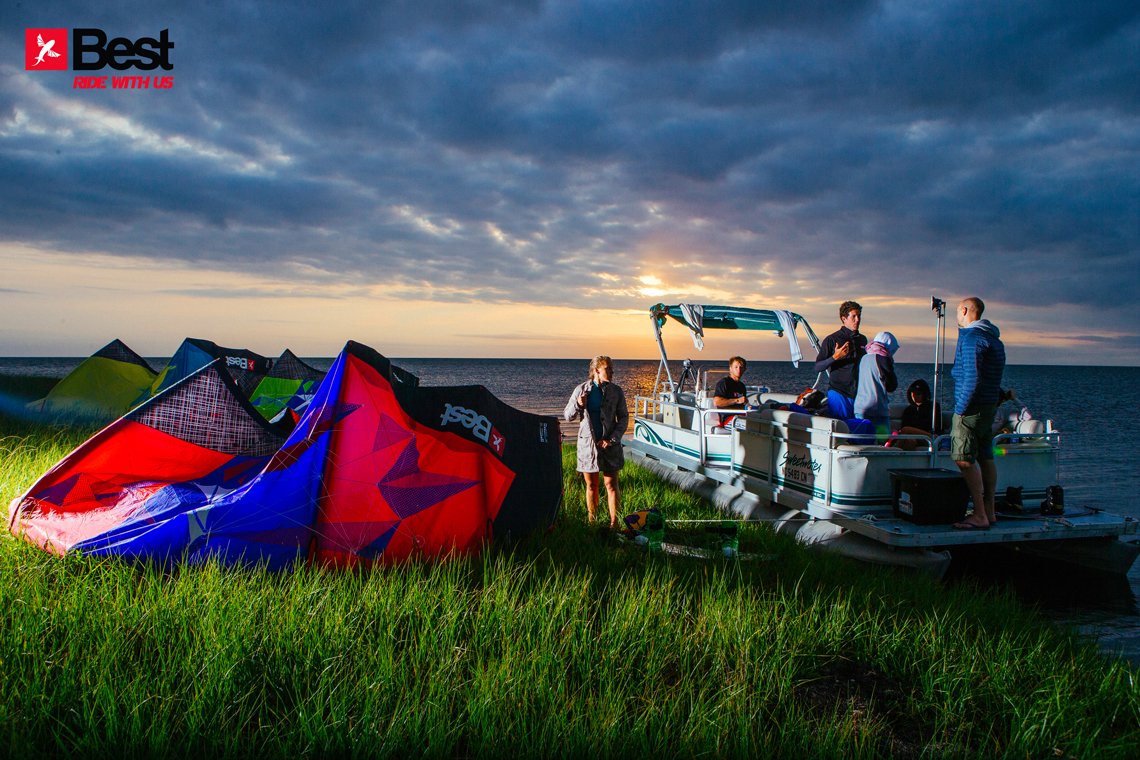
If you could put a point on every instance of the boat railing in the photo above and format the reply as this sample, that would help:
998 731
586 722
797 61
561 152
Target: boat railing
935 447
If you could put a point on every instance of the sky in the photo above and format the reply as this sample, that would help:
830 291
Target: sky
525 179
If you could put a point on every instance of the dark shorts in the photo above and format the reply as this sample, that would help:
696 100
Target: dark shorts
972 435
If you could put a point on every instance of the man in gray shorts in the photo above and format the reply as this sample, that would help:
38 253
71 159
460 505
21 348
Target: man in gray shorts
979 361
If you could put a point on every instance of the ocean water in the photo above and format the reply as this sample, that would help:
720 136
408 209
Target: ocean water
1100 465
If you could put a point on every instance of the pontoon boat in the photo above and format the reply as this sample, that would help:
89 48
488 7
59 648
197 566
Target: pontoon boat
831 488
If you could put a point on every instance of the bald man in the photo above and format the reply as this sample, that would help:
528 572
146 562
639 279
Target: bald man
979 361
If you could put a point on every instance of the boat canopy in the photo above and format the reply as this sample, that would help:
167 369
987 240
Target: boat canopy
699 317
724 317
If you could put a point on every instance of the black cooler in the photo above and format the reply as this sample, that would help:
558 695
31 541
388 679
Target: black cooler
929 497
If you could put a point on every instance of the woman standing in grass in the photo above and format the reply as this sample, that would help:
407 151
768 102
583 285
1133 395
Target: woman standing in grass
600 404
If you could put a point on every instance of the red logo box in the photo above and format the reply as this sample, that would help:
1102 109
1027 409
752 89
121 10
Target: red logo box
45 49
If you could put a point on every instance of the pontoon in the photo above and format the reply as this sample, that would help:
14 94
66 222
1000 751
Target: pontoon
812 477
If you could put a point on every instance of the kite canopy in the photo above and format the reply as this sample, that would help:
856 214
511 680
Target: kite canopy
377 469
246 367
290 384
103 387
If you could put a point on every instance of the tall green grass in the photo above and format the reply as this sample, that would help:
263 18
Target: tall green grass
566 643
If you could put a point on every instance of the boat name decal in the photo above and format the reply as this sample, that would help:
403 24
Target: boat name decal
800 461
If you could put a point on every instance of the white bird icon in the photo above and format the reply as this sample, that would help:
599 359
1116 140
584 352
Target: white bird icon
45 50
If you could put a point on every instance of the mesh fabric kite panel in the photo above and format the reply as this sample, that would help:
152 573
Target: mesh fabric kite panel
290 367
205 410
120 352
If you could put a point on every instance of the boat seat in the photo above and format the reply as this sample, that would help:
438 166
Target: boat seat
705 401
779 398
818 430
1027 427
897 413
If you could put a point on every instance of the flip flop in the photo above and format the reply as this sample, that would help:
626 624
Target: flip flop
969 526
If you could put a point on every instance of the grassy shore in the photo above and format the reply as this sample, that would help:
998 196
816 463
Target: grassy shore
565 644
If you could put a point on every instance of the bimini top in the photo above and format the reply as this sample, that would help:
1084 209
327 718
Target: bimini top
724 317
698 318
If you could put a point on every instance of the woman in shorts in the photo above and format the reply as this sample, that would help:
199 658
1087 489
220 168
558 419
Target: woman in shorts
600 404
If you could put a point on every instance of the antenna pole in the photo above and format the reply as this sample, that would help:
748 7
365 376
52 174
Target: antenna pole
938 306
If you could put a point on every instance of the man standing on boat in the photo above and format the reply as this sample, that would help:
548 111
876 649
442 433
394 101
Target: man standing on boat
979 361
840 353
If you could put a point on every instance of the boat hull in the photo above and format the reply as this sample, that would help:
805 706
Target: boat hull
845 491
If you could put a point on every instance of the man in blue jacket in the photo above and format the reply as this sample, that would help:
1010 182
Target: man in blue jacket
979 362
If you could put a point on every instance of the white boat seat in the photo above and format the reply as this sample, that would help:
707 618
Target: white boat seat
819 429
1027 427
779 398
703 401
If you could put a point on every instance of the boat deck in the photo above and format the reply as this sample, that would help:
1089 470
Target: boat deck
1075 523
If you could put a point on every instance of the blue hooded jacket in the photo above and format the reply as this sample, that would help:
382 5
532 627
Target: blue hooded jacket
979 361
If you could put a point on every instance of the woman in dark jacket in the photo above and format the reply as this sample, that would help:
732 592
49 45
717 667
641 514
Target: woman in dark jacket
600 404
918 418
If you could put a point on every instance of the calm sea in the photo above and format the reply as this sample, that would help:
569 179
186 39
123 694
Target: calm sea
1098 467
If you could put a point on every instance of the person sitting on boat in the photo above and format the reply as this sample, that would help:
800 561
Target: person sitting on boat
1006 418
875 381
810 401
979 361
839 355
919 416
600 404
730 392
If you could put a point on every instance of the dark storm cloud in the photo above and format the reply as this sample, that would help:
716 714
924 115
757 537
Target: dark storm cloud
654 30
532 152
